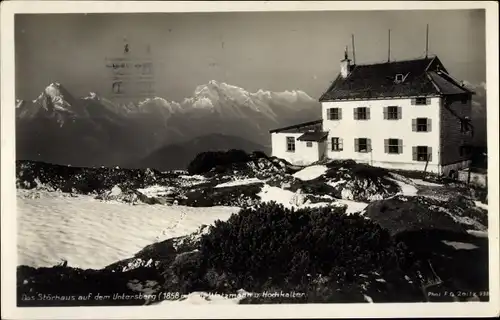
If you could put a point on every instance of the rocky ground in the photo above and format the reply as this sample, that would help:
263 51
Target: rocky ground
441 223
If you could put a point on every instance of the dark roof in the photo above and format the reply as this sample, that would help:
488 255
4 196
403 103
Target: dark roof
446 84
377 81
315 125
313 136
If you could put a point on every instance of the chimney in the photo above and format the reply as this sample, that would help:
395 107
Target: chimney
345 65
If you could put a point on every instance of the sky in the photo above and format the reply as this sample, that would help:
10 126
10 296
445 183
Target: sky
274 51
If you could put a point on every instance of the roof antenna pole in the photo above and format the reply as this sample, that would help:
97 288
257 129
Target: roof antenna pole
389 49
427 42
353 51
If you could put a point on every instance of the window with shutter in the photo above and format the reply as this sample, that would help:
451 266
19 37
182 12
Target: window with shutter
400 113
393 146
333 114
400 146
386 113
290 144
336 144
429 125
392 113
414 125
422 124
309 144
386 145
422 153
420 101
362 145
361 113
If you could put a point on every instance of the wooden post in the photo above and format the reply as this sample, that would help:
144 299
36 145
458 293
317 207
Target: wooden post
427 163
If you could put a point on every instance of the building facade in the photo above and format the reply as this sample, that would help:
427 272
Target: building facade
409 115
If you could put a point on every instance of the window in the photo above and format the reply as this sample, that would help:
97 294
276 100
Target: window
362 145
464 100
421 125
392 113
399 78
290 144
393 146
309 144
361 113
420 101
422 153
337 144
334 114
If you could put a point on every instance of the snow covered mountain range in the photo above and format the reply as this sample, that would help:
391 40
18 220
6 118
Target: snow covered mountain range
57 127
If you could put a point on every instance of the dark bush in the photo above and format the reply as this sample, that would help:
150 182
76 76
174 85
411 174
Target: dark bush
360 170
272 245
402 214
227 196
315 187
206 161
259 155
85 180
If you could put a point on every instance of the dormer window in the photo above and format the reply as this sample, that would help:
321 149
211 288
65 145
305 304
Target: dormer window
399 78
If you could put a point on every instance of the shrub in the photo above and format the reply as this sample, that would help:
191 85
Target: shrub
206 161
227 196
360 170
272 245
403 214
316 186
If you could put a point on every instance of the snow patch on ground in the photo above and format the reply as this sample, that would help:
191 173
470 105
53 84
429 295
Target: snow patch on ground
310 173
238 183
93 234
187 181
460 245
156 191
421 182
296 200
479 234
281 196
481 205
406 188
335 183
352 206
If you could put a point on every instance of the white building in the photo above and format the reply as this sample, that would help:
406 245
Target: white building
409 115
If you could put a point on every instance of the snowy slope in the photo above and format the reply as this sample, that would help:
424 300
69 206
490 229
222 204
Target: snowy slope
93 234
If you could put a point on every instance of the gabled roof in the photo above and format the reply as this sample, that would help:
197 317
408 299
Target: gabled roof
374 81
446 84
316 136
